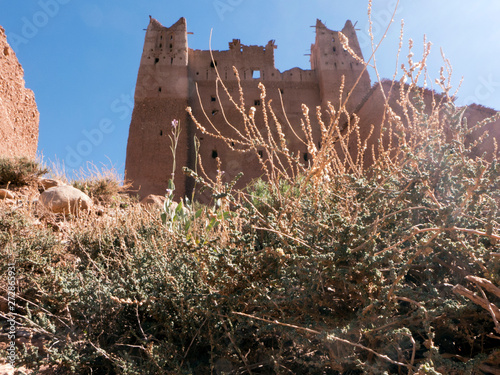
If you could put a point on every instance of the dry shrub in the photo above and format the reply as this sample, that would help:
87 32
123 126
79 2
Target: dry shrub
330 268
103 185
20 171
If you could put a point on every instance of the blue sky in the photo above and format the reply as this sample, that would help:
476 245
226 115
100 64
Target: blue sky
81 57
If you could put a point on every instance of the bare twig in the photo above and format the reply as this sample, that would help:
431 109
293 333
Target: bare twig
330 337
238 351
489 369
486 284
431 344
192 341
484 303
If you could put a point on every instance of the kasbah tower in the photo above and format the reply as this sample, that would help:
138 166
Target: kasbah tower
173 77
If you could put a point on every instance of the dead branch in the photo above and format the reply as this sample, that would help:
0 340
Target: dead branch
483 302
330 337
486 284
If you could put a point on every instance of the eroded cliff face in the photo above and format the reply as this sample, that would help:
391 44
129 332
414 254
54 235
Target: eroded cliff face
18 111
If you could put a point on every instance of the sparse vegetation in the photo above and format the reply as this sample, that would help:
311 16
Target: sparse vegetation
328 268
20 171
103 184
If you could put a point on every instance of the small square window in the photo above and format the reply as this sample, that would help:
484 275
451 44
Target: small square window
213 99
255 74
256 102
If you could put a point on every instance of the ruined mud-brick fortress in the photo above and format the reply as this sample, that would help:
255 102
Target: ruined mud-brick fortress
171 75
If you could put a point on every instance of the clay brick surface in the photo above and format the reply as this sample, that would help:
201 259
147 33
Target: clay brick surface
18 111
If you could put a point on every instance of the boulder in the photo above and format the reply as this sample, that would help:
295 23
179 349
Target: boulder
6 194
152 200
65 199
47 183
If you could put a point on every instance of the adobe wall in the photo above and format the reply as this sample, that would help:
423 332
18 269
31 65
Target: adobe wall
161 95
296 86
371 112
475 114
172 76
18 111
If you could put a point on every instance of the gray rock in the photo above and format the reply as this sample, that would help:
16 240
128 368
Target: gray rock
47 183
65 199
153 200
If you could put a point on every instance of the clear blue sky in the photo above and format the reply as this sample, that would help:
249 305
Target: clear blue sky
81 57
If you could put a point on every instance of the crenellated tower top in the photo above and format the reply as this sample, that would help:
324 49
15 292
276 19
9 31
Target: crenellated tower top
332 61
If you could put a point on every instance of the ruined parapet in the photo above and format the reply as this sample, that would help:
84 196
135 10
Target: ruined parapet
18 111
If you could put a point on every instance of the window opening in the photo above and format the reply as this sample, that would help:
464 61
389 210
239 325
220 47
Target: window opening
213 64
156 60
256 74
256 102
261 153
214 154
213 99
